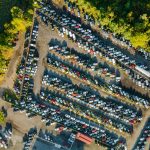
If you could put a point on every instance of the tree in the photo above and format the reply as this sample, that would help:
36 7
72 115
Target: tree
130 16
105 21
145 20
16 12
139 40
114 27
4 111
1 117
21 20
18 25
123 19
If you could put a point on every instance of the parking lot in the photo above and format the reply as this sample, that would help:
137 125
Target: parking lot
143 138
62 33
62 78
76 30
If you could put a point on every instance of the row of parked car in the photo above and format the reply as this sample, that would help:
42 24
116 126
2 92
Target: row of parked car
138 80
144 137
69 120
71 7
59 140
88 96
82 59
104 136
33 55
143 53
5 135
81 107
21 67
28 65
143 81
28 138
75 71
46 136
130 94
84 34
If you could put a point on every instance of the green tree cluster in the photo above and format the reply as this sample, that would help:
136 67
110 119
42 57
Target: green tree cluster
2 119
128 18
21 19
9 95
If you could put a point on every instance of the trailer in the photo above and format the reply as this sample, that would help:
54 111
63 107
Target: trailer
84 138
143 71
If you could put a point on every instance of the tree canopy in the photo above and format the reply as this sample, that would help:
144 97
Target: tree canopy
128 18
21 19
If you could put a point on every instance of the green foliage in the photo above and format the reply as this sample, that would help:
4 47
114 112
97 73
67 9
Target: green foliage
16 12
21 20
140 40
122 17
2 119
9 95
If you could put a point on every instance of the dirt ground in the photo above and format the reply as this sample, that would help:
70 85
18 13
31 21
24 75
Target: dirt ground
10 75
21 125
